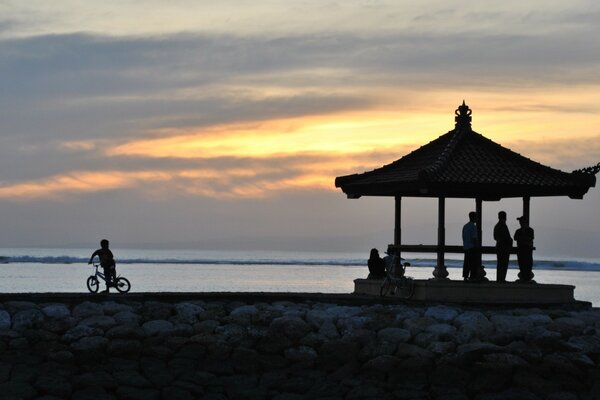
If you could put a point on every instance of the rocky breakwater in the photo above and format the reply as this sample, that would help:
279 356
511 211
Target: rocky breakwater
225 349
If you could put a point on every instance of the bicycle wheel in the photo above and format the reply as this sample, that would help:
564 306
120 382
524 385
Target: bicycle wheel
92 284
385 287
407 289
122 285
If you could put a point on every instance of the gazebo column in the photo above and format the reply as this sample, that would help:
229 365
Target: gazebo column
479 211
526 201
440 271
398 221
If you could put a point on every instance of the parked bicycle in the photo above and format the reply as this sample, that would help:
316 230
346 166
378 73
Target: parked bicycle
93 281
396 282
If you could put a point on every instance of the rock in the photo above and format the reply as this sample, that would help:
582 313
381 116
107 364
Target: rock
567 326
87 309
512 325
477 348
91 344
176 393
125 331
132 378
56 311
16 306
127 317
539 319
244 314
472 324
347 326
562 396
158 327
300 354
441 313
188 312
98 321
316 318
134 393
417 325
365 392
405 350
292 327
442 331
112 307
233 333
27 319
441 347
586 344
154 310
328 330
335 353
383 363
207 326
61 356
393 335
17 390
510 394
54 385
92 392
122 347
5 321
245 360
81 331
504 360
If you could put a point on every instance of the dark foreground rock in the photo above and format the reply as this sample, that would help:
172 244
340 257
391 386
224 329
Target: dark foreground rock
283 350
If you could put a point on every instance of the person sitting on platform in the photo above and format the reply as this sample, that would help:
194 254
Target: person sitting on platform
471 264
376 265
504 244
524 238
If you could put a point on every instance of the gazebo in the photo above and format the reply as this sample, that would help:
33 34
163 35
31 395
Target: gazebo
463 164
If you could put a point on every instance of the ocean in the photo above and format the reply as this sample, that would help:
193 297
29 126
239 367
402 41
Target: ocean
24 270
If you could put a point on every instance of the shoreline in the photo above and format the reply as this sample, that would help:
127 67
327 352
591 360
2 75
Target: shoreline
285 346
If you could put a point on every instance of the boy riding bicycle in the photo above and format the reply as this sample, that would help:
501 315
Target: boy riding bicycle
107 261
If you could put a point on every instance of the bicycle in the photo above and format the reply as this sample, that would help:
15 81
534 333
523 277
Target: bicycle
121 283
397 284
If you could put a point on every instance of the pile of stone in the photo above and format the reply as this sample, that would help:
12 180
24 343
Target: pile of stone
225 349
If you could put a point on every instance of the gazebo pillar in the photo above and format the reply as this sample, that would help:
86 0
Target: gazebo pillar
440 271
479 211
398 222
526 201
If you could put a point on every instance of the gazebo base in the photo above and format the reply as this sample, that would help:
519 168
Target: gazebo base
483 292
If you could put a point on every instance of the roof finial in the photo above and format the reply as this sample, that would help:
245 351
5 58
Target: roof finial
463 116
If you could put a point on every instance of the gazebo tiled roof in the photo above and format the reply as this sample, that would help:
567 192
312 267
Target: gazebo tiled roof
465 164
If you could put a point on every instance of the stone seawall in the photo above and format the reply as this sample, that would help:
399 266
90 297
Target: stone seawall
131 348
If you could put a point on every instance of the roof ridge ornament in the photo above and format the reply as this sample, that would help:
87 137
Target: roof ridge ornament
463 116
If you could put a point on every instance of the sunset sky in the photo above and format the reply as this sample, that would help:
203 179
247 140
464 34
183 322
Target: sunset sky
224 124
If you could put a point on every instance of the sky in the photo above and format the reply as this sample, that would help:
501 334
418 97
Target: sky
222 125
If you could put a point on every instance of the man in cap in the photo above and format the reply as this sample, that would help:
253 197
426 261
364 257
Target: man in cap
524 238
504 244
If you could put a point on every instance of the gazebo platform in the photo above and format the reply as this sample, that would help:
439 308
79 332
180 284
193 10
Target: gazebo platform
481 292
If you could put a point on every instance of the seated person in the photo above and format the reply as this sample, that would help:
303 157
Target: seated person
376 265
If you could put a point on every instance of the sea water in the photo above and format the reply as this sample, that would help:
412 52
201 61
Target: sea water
66 270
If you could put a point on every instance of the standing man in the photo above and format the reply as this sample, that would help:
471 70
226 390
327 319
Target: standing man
107 261
504 244
470 246
524 239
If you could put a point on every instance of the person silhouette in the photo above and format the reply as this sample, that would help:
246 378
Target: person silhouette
107 261
376 265
471 248
504 244
524 237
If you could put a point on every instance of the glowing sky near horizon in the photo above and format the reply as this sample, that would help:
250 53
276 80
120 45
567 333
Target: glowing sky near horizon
218 103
